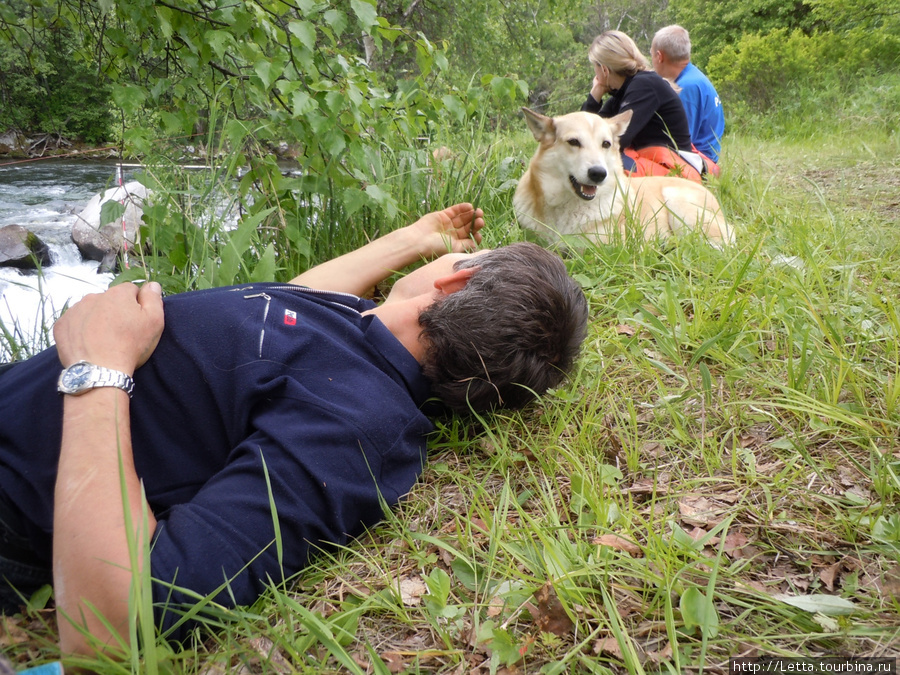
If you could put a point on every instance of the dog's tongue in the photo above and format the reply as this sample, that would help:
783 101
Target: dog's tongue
588 190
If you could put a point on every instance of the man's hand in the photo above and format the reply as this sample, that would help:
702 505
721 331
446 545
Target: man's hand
117 329
456 229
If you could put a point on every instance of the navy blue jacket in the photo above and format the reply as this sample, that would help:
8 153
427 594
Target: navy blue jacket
253 391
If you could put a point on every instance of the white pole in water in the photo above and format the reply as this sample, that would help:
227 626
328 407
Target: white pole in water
120 179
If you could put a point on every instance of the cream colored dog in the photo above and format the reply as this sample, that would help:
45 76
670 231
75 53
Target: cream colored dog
575 185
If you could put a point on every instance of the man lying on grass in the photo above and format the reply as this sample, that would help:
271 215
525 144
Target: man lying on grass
292 406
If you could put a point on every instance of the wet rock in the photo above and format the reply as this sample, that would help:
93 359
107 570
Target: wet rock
22 249
14 143
104 241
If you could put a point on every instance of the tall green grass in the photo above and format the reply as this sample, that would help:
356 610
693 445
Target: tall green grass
720 477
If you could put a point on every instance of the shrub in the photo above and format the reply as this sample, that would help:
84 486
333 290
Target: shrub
759 69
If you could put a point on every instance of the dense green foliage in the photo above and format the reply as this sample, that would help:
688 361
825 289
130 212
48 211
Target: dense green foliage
760 52
335 78
44 85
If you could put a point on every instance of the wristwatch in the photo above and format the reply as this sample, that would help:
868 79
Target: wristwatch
83 376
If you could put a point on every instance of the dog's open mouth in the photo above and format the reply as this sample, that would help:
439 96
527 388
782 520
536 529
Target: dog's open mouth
586 192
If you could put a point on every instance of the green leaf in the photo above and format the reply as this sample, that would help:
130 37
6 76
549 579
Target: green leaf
337 20
237 245
217 40
698 611
887 529
266 267
111 211
164 15
471 575
424 58
40 598
305 32
438 583
354 199
440 60
830 605
366 13
333 143
267 71
334 101
455 107
173 123
129 98
303 103
383 199
501 643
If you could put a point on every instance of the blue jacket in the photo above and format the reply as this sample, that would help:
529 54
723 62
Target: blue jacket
260 395
704 110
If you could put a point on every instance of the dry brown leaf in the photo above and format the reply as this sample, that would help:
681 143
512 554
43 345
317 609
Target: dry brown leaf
625 329
699 511
618 543
730 497
653 449
829 575
647 486
393 661
663 654
361 658
550 615
11 632
608 645
447 557
479 524
736 545
411 591
495 607
757 586
735 539
274 659
890 583
508 670
698 533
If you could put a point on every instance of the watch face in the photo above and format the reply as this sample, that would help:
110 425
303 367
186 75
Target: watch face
77 376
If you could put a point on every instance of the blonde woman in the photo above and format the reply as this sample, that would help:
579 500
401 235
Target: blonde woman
657 142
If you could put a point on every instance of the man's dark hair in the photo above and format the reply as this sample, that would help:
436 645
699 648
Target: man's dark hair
511 333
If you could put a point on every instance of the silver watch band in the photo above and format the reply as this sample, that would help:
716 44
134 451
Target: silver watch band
82 376
106 377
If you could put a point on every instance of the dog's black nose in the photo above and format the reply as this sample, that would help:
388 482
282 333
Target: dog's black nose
597 174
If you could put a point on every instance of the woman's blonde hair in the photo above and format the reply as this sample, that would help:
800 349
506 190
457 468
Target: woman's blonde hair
617 51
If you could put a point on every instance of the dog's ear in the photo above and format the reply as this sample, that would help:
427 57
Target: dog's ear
540 125
620 122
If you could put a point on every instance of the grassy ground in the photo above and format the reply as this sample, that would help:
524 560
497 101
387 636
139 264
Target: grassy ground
720 478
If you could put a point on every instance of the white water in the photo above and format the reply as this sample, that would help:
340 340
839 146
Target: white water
46 196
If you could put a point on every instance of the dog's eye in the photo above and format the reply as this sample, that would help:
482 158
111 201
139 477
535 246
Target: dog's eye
574 142
607 144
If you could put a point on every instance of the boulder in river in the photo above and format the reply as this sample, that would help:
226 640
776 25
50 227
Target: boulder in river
22 249
104 241
13 143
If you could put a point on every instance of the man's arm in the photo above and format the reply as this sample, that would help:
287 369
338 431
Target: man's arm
91 567
455 229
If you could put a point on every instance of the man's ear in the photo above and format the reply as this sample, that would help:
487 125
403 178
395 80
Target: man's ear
455 281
